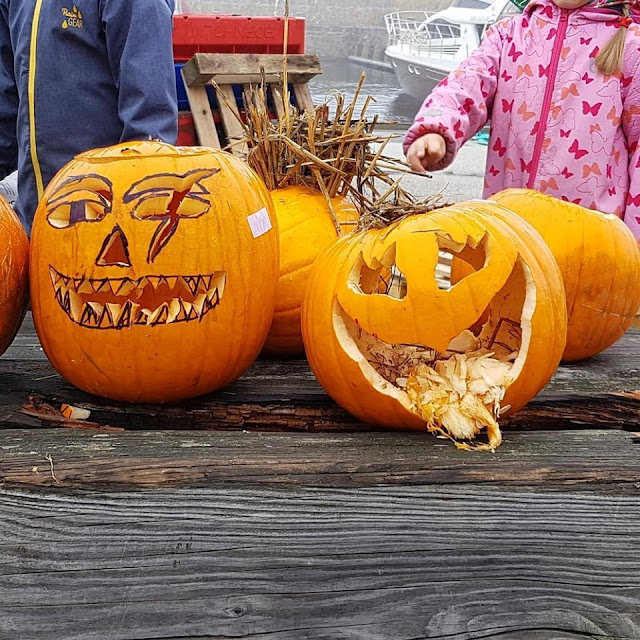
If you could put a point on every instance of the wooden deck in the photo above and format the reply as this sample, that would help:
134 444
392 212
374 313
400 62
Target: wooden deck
266 512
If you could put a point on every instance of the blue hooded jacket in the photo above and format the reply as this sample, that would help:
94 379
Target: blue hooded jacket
77 75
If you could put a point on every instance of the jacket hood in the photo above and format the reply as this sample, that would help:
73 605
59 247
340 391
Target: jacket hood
597 10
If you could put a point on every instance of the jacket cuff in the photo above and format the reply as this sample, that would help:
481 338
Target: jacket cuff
420 129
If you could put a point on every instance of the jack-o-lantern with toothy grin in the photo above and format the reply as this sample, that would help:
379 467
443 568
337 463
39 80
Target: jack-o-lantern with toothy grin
154 270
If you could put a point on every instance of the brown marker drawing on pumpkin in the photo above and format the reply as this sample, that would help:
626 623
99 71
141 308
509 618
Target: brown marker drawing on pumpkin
185 194
116 303
120 303
87 198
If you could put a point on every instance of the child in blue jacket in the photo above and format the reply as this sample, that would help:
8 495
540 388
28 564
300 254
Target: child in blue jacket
77 75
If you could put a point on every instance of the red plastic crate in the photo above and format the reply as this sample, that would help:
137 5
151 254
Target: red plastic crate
234 34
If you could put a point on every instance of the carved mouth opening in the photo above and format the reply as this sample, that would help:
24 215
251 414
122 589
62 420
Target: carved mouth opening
121 303
458 392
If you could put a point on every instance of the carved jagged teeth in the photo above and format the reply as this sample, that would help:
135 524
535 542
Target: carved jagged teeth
69 292
192 284
212 297
142 316
76 306
106 321
160 315
202 285
125 287
91 314
198 304
174 310
66 302
115 284
100 285
188 312
219 282
129 313
183 313
84 287
112 311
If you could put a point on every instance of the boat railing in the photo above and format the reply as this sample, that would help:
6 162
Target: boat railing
410 30
415 33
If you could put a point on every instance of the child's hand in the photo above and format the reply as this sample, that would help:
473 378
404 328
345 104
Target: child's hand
426 152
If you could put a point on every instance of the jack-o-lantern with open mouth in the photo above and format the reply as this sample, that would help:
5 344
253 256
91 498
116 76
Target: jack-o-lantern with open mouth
154 271
397 347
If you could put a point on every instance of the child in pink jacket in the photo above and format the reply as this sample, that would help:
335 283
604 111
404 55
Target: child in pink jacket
561 85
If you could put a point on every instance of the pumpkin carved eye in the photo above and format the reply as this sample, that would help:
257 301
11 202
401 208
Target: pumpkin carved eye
80 199
167 198
167 194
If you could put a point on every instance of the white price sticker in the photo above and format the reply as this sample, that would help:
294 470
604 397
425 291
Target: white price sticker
259 222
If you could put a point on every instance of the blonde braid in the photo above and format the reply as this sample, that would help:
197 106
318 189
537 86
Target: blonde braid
609 58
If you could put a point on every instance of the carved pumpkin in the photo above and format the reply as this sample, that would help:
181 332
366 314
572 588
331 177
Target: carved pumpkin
306 227
375 320
154 270
600 264
14 274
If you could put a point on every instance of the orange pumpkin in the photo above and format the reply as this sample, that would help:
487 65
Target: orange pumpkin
374 315
600 264
14 274
154 270
306 227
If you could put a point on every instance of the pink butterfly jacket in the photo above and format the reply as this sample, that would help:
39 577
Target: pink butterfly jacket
557 124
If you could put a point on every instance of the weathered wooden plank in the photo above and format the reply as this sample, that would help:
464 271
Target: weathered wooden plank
303 96
203 117
370 564
203 68
287 409
601 461
230 118
284 395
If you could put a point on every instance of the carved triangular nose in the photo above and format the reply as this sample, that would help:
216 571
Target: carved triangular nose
115 250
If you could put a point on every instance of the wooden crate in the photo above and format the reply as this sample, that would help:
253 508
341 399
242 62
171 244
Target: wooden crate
228 70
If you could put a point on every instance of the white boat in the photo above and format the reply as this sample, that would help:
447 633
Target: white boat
424 47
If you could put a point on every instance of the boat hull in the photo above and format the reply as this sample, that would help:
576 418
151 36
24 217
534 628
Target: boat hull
418 76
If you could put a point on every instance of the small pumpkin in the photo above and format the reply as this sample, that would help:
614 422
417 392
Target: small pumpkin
391 344
599 259
306 227
14 274
154 270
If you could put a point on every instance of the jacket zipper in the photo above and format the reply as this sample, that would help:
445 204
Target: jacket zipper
548 94
33 56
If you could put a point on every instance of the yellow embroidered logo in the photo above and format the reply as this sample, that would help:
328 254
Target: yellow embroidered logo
72 18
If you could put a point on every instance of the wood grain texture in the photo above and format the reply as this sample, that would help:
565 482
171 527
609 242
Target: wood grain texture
202 117
284 395
450 563
228 68
593 461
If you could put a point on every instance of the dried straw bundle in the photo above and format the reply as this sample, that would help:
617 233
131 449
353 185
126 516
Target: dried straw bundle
337 154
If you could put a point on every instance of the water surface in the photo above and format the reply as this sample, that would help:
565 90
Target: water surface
390 103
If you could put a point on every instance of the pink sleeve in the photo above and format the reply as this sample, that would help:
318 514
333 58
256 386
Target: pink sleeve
459 106
631 126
